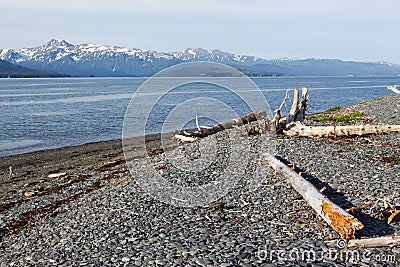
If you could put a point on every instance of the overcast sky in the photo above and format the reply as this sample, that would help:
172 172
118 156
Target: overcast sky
363 30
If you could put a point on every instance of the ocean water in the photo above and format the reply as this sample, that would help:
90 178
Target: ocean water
38 114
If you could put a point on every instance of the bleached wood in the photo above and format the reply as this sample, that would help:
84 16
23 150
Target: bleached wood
276 120
385 241
11 174
340 220
197 124
301 114
394 89
253 116
185 138
298 129
295 106
56 175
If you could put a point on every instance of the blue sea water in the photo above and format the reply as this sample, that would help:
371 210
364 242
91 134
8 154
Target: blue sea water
38 114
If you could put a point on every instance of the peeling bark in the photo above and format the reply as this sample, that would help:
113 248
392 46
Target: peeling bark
344 224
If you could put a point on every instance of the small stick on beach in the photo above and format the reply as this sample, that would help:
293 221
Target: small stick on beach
186 138
11 173
353 209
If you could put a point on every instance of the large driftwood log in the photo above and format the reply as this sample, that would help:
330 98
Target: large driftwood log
385 241
340 220
394 89
254 116
298 129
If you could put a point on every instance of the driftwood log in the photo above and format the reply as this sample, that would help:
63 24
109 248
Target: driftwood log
394 89
297 111
185 138
206 131
298 129
295 107
340 220
385 241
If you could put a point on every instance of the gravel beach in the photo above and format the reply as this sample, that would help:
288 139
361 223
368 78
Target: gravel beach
97 215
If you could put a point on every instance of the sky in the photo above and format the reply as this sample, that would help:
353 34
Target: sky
359 30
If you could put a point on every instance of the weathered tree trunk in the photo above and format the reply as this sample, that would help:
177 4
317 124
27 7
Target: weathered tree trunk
254 116
295 107
394 89
297 111
340 220
301 114
385 241
298 129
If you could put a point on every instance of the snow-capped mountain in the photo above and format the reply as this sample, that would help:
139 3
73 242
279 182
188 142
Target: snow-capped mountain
99 60
89 59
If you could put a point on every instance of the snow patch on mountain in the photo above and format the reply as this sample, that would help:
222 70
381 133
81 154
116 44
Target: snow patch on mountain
104 60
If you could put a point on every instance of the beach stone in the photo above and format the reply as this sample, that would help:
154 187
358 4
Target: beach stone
160 262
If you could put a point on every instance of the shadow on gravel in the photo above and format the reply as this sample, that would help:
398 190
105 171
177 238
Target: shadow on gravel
372 226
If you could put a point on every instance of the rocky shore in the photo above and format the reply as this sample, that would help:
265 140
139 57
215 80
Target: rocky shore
97 215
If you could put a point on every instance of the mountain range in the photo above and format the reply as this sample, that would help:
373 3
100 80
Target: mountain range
59 56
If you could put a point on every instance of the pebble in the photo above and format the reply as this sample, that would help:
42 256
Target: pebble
160 262
201 262
125 259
